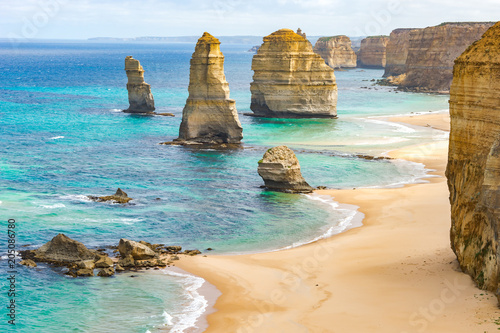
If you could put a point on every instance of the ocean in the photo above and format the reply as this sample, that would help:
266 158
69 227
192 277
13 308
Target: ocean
64 138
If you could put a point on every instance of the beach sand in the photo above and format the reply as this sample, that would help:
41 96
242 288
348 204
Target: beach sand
396 273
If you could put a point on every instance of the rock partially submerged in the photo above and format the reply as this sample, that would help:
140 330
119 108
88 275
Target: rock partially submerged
280 171
139 92
119 197
62 249
136 250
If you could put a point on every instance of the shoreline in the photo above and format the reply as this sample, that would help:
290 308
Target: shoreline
391 275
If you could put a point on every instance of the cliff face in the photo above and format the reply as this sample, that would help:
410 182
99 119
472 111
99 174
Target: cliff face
432 52
209 115
397 52
290 80
280 170
139 93
372 53
474 160
336 51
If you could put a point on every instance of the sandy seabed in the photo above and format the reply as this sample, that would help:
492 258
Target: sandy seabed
396 273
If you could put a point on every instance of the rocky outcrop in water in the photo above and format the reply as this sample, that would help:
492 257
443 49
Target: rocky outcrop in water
139 92
336 51
473 170
62 249
372 53
119 197
397 52
210 116
290 80
432 51
280 170
137 250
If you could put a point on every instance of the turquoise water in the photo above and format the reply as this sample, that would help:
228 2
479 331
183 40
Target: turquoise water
65 138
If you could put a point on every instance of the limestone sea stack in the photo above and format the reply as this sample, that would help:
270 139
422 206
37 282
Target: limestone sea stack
336 51
397 52
432 51
280 170
209 116
372 53
139 92
290 80
474 160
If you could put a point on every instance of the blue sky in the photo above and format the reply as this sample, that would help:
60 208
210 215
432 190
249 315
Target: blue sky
82 19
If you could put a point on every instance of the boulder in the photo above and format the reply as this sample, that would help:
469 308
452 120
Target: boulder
28 263
119 197
127 261
62 249
104 262
280 170
137 250
106 272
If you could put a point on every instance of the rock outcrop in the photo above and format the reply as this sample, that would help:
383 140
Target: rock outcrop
62 249
209 116
137 250
336 51
300 33
290 80
397 52
280 170
372 53
432 51
139 93
473 170
119 197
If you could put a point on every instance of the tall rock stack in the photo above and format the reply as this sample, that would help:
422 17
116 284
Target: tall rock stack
432 52
397 52
336 51
209 115
139 93
372 53
290 80
474 160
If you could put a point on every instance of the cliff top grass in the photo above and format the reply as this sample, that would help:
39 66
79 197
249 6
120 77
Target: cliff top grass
326 39
379 36
284 35
464 23
208 39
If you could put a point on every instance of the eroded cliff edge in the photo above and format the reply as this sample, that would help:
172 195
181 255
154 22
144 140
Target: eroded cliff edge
473 170
336 51
397 52
372 53
290 80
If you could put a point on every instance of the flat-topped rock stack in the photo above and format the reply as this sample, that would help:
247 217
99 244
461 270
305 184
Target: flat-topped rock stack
139 92
209 116
290 80
397 52
372 53
336 51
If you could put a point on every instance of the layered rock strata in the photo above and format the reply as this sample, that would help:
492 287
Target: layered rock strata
336 51
372 53
209 115
139 92
473 170
432 51
290 80
397 52
280 170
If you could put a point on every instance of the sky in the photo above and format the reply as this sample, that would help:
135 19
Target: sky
82 19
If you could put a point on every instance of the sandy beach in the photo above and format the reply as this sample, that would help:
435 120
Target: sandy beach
396 273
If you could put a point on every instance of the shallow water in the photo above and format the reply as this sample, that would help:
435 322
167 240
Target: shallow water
65 137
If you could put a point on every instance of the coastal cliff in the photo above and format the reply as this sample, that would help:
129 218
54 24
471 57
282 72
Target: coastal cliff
209 115
432 52
290 80
474 160
336 51
372 53
139 92
397 52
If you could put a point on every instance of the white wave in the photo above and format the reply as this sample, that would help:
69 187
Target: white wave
1 202
116 110
398 127
56 137
381 141
197 304
75 197
58 205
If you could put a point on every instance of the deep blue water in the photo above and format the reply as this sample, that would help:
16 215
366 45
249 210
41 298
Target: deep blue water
64 137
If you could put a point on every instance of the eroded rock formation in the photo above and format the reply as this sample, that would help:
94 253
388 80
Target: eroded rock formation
372 53
62 249
397 52
432 52
209 116
290 80
139 92
474 160
280 170
336 51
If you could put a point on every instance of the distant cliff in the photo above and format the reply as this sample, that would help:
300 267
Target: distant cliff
474 159
372 53
397 52
336 51
432 51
